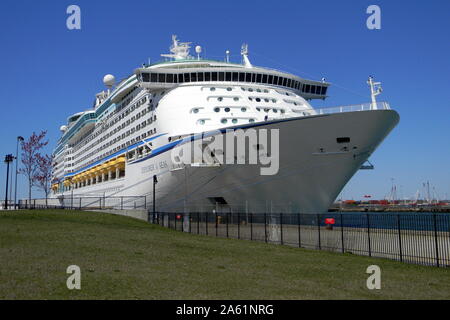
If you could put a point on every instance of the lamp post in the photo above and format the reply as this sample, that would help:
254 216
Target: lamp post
19 138
8 159
155 181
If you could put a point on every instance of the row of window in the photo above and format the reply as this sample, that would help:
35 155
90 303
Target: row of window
234 77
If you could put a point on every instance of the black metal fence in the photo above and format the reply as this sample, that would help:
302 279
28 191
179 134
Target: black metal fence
87 203
414 238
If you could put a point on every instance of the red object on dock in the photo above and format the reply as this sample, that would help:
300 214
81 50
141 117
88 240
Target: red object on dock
178 216
330 221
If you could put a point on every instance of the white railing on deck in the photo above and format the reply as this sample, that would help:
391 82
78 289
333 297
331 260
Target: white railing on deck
356 107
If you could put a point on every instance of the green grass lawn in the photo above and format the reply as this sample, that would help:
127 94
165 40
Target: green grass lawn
124 258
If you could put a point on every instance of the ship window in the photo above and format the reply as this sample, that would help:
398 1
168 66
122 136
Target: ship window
169 78
343 140
264 78
318 89
187 77
313 89
216 109
229 89
145 77
227 76
193 77
234 120
207 76
307 88
227 109
224 121
284 82
324 90
241 76
180 78
253 77
251 120
236 98
248 77
161 77
175 78
275 79
212 89
270 79
221 76
200 76
258 77
153 77
214 76
235 76
243 109
288 83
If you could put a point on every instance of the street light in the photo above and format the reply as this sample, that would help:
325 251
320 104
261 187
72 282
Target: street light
19 138
155 181
8 159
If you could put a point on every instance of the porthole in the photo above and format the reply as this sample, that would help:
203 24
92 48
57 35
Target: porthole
229 89
195 110
275 110
266 100
227 109
201 121
250 90
250 98
216 109
243 89
282 111
266 110
236 99
224 121
212 89
258 100
258 90
243 109
251 120
234 121
274 100
258 109
219 99
266 91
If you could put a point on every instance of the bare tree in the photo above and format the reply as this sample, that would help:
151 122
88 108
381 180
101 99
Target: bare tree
44 173
30 165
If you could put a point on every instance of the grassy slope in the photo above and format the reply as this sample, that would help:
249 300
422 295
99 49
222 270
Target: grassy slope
123 258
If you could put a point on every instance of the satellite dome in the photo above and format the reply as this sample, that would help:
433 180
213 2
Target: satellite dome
109 80
63 128
198 49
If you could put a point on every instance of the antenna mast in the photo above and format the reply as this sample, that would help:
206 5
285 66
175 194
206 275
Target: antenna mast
375 89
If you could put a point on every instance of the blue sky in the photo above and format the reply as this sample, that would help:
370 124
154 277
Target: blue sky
50 72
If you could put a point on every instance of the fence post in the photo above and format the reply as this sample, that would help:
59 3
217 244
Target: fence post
436 240
121 203
217 222
399 237
145 202
79 207
342 233
100 202
281 227
265 227
206 222
299 232
198 222
239 225
175 218
228 216
368 234
318 229
251 226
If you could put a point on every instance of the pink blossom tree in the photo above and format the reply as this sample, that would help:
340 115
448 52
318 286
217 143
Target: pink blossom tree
30 164
44 173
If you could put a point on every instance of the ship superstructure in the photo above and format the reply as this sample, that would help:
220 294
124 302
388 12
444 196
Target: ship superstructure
116 147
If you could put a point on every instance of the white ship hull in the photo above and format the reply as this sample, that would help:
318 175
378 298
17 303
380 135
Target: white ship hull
313 169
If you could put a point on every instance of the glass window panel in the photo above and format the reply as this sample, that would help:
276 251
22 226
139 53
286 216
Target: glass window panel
248 77
264 78
187 77
194 77
162 77
324 90
241 76
207 76
153 77
200 76
235 76
284 82
180 78
214 76
270 79
258 77
307 88
221 76
228 76
169 78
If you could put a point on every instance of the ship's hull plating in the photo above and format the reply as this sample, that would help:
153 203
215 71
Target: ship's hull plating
313 169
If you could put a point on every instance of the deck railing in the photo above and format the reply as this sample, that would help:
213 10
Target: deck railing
353 108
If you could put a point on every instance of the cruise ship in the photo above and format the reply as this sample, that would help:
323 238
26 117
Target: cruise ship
128 144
